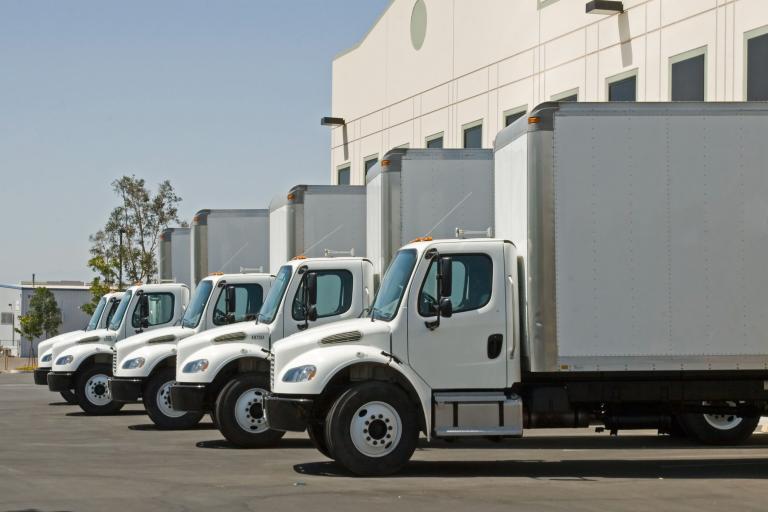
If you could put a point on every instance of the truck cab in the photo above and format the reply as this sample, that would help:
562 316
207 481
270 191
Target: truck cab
440 335
100 319
87 364
145 364
226 370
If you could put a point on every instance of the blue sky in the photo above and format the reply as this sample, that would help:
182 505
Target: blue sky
223 98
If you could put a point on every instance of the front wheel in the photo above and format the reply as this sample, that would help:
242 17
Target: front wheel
316 433
240 413
719 429
69 396
92 391
372 429
156 398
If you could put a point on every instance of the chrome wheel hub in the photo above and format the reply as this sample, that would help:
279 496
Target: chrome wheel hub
250 413
375 429
163 400
97 390
723 421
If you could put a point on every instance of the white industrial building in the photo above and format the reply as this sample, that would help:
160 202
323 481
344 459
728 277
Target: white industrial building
14 302
452 73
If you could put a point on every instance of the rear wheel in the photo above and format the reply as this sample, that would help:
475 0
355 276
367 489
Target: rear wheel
156 398
719 429
69 396
92 392
372 429
240 413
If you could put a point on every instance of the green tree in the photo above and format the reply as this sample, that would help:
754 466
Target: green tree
138 219
43 318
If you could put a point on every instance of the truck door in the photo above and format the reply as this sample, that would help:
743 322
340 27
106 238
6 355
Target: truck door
467 350
335 293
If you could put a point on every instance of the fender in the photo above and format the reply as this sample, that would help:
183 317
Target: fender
154 355
218 356
79 354
46 346
329 361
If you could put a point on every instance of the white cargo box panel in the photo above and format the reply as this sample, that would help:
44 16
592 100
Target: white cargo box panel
413 193
230 241
173 256
644 229
317 221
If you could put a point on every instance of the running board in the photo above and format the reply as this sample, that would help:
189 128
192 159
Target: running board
477 414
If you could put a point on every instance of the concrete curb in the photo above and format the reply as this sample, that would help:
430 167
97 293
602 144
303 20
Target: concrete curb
762 427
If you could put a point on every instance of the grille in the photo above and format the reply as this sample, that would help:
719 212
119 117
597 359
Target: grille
272 372
114 360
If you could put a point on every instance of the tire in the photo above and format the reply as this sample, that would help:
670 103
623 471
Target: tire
156 398
372 429
69 396
316 433
240 414
719 429
92 391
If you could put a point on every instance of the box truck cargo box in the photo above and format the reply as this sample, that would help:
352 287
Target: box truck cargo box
316 221
414 193
229 241
644 232
173 256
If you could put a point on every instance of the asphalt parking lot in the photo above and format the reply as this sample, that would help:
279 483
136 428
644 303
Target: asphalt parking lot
53 458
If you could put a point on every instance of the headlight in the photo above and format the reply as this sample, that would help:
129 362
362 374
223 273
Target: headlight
46 358
198 365
300 374
65 360
134 363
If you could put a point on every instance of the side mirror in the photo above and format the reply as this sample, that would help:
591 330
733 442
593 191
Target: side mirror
144 308
231 300
446 277
312 313
311 289
446 307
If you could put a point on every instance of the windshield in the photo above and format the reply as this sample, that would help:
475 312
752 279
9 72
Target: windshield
94 322
194 312
114 324
393 285
272 302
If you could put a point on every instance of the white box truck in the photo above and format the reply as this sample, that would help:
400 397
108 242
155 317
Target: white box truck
229 241
144 365
225 370
85 364
415 193
100 319
174 256
628 290
317 221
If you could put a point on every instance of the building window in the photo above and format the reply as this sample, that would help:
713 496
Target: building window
572 95
510 116
435 141
342 175
623 88
687 72
757 67
473 135
369 162
6 318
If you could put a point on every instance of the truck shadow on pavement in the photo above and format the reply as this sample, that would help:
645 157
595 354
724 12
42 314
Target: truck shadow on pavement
223 444
151 427
120 413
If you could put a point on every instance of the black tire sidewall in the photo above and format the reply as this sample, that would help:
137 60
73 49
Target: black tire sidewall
149 398
69 396
316 432
697 428
338 424
82 379
225 413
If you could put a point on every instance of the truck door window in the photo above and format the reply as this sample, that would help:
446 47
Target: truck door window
248 300
160 310
472 284
334 294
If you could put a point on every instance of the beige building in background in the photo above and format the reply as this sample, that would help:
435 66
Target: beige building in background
454 72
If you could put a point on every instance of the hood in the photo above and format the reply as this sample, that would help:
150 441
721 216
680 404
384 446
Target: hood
358 331
44 346
94 336
217 336
165 335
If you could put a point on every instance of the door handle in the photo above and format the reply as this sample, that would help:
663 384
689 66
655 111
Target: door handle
495 342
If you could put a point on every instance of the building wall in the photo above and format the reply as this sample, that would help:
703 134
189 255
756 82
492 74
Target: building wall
481 59
10 302
69 301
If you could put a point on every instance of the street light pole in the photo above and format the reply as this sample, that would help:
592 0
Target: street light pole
120 257
13 326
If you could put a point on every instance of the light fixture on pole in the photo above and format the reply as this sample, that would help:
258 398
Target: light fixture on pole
605 7
332 121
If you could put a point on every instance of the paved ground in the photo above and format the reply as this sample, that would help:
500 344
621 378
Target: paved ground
54 458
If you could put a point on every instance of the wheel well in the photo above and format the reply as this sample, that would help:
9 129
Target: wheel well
168 362
363 372
95 359
240 365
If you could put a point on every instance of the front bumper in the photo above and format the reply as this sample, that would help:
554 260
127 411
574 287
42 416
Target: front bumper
61 381
289 413
41 376
188 397
125 390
